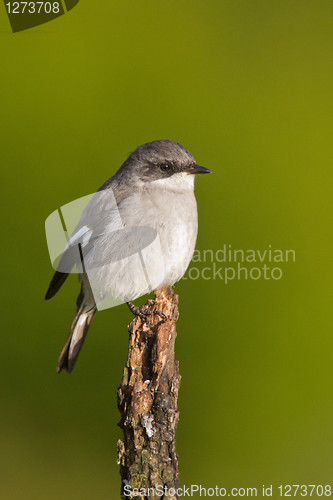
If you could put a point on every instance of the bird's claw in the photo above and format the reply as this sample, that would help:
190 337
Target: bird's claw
144 312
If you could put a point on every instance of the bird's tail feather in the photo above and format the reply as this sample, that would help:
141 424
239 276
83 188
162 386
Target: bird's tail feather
74 343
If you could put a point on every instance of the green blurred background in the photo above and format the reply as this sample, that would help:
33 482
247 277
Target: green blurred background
246 86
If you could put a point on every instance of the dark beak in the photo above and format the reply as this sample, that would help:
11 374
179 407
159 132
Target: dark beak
200 170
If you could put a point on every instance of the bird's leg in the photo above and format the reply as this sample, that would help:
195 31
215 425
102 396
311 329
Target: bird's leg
143 312
157 312
134 309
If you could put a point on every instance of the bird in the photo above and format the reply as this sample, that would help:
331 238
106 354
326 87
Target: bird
136 234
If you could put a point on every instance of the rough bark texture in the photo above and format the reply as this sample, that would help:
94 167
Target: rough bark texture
147 400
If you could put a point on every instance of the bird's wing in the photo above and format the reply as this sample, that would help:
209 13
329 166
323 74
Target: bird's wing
120 234
109 230
101 209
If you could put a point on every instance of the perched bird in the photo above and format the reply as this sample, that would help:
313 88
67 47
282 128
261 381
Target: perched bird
136 234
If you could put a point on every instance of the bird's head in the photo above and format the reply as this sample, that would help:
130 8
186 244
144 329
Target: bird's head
165 163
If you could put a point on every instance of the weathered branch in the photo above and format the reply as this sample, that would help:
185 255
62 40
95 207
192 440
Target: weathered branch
147 399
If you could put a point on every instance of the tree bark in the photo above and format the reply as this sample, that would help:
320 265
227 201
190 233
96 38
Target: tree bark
147 401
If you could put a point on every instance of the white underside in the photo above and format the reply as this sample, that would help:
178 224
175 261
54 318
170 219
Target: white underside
169 208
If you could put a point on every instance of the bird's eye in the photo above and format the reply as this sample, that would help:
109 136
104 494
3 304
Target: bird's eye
165 167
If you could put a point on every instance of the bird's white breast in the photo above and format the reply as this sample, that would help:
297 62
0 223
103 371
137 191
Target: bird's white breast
169 208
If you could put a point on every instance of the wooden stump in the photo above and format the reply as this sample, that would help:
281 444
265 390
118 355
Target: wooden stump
147 400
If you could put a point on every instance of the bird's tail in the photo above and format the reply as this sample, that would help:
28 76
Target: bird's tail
74 343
